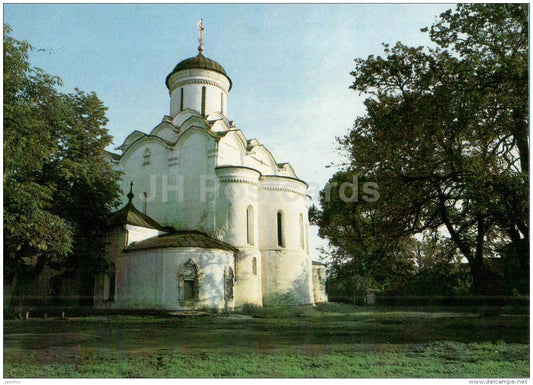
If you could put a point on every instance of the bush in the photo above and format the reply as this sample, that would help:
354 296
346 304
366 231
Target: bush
209 309
276 299
249 309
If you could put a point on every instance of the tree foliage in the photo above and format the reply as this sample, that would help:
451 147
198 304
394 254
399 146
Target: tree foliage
58 189
446 134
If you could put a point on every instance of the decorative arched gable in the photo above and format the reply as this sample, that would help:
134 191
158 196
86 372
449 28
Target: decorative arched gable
194 121
192 130
231 149
218 116
143 142
219 126
286 170
184 115
134 136
261 159
167 131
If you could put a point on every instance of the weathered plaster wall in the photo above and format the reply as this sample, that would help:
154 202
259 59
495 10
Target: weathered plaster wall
248 287
285 268
149 278
237 193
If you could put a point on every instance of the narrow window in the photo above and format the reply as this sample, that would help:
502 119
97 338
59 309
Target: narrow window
188 282
203 100
254 265
222 102
250 225
302 234
145 202
181 99
280 229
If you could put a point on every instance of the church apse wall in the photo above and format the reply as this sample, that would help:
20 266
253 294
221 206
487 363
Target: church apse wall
154 281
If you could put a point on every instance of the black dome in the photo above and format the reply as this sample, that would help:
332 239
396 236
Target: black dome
199 62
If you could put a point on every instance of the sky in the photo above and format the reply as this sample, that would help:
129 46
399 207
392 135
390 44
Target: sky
290 65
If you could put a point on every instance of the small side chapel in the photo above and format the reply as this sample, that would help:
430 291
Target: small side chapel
211 219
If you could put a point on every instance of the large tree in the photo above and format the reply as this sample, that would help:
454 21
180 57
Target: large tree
58 189
446 133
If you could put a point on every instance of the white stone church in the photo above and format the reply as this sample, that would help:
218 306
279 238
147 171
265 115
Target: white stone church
211 219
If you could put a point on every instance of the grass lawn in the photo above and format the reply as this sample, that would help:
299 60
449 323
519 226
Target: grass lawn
324 341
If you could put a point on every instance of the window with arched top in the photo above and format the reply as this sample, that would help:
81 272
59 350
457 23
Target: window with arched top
281 239
254 266
188 282
203 100
302 233
250 225
181 99
228 283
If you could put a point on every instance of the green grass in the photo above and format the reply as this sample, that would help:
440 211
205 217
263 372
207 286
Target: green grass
325 341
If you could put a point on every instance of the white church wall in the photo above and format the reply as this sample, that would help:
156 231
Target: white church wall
192 81
286 268
237 223
183 116
195 165
230 151
137 280
211 264
149 278
134 136
248 288
237 190
166 131
260 159
144 163
218 126
137 233
286 274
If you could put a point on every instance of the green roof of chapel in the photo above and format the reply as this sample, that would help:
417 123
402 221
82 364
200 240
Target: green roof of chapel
199 62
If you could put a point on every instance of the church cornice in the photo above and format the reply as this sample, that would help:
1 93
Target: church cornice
263 177
197 81
282 189
236 180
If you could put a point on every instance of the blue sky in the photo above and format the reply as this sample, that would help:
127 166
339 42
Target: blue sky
290 64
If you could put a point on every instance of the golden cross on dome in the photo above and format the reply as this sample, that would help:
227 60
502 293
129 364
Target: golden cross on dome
200 26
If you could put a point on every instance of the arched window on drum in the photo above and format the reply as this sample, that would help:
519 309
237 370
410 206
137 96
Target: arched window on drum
250 226
281 237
